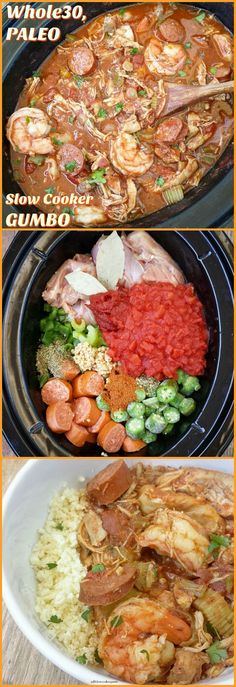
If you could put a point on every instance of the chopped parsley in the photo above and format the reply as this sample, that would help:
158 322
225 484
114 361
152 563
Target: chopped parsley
28 120
97 657
181 72
102 114
215 653
86 614
55 619
188 45
99 567
134 51
81 659
213 70
217 540
79 80
122 11
37 159
57 141
160 181
68 211
144 651
50 189
97 177
51 566
142 93
33 102
71 119
119 107
37 73
200 17
59 526
71 166
116 621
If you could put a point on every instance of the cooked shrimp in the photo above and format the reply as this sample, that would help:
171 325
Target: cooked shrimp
128 157
215 486
178 536
27 131
153 498
137 642
164 58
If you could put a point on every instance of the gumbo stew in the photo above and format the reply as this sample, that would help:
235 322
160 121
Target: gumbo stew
91 120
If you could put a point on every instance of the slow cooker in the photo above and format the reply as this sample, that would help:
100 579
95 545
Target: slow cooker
208 205
32 259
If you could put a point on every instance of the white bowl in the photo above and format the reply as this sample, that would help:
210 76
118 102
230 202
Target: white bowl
25 508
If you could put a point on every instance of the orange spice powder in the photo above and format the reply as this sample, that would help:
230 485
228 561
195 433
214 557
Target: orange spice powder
119 390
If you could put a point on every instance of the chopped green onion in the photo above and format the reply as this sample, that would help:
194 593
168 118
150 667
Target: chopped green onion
37 73
134 51
68 211
28 120
71 166
213 70
79 80
97 657
218 540
86 614
71 119
188 45
33 102
57 141
181 72
50 189
81 659
102 114
160 181
59 526
122 11
119 107
99 567
37 159
118 620
51 566
200 17
188 61
55 619
97 177
142 93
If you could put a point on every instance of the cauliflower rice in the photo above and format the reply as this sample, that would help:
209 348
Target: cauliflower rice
57 588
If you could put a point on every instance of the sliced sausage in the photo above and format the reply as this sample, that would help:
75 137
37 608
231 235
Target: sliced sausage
77 434
111 436
101 589
171 30
56 390
69 369
71 159
102 420
81 60
117 525
90 383
86 411
59 417
131 445
109 484
169 130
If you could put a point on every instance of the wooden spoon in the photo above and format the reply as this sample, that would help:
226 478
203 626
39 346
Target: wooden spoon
179 96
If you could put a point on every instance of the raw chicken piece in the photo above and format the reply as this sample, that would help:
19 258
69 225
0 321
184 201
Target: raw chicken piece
157 264
60 294
187 667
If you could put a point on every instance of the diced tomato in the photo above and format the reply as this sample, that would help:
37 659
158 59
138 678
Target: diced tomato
153 328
